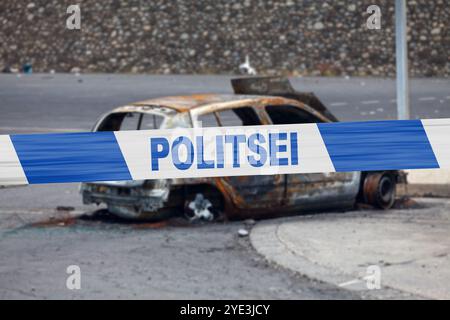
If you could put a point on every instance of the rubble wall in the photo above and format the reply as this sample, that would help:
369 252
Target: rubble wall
292 37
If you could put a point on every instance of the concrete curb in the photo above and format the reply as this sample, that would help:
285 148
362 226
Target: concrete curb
264 238
409 246
427 183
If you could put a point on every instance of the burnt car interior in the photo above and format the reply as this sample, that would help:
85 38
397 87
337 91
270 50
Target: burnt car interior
285 114
242 116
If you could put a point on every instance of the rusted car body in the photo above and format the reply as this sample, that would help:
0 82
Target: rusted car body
271 101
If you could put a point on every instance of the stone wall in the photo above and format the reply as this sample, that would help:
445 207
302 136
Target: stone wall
308 37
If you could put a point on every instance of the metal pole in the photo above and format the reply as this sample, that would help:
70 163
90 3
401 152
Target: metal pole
401 52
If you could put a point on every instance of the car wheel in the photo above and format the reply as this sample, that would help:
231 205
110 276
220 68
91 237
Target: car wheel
380 189
199 208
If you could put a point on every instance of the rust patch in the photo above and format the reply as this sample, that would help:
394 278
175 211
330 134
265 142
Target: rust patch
55 222
151 225
407 203
174 222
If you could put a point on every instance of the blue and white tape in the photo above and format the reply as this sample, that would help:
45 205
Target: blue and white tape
226 151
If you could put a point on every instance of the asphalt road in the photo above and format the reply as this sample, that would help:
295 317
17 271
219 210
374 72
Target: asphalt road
125 261
146 261
44 102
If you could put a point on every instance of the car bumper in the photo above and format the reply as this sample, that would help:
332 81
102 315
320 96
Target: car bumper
127 201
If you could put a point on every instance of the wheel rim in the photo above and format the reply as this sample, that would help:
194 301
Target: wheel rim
386 190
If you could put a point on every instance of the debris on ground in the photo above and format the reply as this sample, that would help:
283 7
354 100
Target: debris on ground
65 208
403 202
103 218
243 233
56 222
406 202
151 225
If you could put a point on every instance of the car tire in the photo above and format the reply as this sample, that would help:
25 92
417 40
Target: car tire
379 189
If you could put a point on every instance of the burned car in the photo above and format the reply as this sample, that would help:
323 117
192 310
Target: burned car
257 101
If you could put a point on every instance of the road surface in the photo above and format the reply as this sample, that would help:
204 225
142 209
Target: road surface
44 102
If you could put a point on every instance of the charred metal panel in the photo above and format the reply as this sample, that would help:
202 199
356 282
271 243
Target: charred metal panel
305 191
249 192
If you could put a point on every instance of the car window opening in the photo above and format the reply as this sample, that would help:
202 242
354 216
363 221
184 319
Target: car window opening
243 116
285 114
123 121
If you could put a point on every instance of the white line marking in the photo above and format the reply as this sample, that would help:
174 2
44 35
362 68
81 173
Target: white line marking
427 99
348 283
370 102
338 104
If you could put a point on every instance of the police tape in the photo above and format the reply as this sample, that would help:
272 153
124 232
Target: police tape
224 151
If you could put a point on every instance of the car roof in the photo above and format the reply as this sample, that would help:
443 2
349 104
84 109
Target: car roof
185 103
169 105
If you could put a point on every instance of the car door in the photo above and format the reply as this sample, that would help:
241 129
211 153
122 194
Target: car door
313 190
246 192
